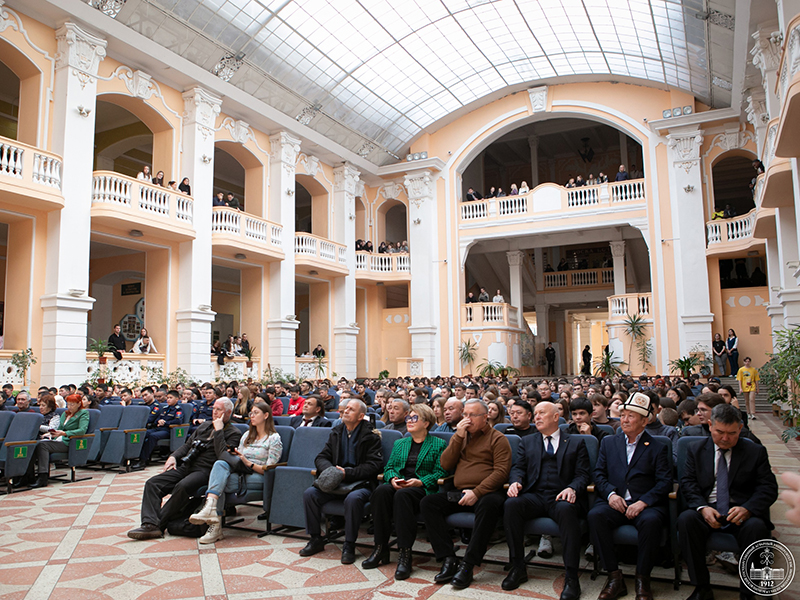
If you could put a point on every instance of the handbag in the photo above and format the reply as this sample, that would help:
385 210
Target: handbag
236 464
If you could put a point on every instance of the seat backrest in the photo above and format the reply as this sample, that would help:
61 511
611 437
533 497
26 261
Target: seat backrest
445 435
514 441
134 417
60 411
380 424
561 420
684 444
283 421
607 428
388 438
501 427
285 400
563 427
332 415
592 447
94 418
242 427
306 444
110 415
6 417
287 434
26 427
664 439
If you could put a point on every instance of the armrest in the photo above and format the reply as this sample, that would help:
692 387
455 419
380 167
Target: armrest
380 477
590 488
275 466
179 425
13 444
133 430
445 479
107 429
314 472
673 495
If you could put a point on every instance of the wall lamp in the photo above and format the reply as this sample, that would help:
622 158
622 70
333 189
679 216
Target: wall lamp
206 159
688 189
417 221
84 112
135 233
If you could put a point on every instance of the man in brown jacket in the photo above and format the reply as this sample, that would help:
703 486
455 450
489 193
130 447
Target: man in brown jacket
481 458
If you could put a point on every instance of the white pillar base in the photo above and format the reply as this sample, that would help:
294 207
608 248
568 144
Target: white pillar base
790 301
697 330
282 333
423 345
775 313
64 325
345 343
194 342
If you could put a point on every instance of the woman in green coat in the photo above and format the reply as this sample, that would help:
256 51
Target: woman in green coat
411 473
74 422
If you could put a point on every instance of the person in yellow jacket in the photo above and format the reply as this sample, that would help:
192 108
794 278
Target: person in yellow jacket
748 385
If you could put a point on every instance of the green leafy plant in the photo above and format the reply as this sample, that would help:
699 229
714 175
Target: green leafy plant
684 365
384 374
781 377
23 360
494 368
644 351
320 366
271 376
608 365
249 352
635 328
99 347
466 352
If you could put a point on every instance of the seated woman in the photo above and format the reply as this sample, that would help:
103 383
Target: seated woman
523 188
497 413
50 420
144 344
410 474
259 448
73 422
241 410
514 191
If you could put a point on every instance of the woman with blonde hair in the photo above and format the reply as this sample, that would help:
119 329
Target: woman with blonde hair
496 413
241 410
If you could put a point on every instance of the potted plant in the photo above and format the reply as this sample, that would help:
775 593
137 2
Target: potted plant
249 352
608 365
384 374
319 366
684 365
22 361
99 347
635 328
782 375
466 352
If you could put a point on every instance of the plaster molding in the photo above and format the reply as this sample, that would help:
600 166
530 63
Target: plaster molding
201 109
538 97
79 51
617 248
419 187
515 258
685 146
757 113
766 52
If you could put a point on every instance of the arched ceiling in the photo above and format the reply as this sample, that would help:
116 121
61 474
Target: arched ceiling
373 74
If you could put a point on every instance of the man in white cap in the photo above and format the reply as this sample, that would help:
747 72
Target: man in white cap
632 480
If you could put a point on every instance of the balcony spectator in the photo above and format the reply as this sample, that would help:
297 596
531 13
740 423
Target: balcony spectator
382 248
319 351
185 187
144 348
219 199
492 192
233 202
471 299
758 166
159 179
498 297
404 247
473 195
717 214
116 343
523 188
173 185
483 296
548 268
635 173
562 265
368 246
729 212
219 352
602 178
514 191
622 174
145 175
570 183
500 193
591 180
579 182
359 245
245 343
758 278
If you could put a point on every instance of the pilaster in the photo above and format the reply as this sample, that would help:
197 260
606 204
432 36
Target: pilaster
533 142
618 254
758 117
515 258
766 53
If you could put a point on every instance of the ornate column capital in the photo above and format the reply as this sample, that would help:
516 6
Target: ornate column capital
240 130
419 186
345 177
515 257
284 147
766 52
200 108
756 108
80 51
617 249
533 141
685 146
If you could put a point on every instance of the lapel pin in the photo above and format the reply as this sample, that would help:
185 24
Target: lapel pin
647 443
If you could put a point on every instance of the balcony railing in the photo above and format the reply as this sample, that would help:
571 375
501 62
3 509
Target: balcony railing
549 197
383 263
790 59
308 367
248 228
630 304
489 314
29 164
731 230
140 199
132 369
582 278
314 246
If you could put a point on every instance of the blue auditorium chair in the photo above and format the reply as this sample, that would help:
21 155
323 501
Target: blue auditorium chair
125 442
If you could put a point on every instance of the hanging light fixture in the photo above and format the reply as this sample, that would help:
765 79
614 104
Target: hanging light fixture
587 154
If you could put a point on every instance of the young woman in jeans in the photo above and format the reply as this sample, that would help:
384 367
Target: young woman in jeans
259 447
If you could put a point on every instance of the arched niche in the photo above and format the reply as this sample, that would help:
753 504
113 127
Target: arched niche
319 199
392 221
163 145
29 85
361 220
253 185
732 173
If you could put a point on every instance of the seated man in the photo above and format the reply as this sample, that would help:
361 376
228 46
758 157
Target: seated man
398 411
581 410
705 404
728 486
185 472
453 412
204 410
549 478
313 414
158 424
632 481
24 402
521 414
354 448
295 402
481 458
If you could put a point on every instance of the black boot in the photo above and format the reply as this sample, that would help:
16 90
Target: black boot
379 556
348 553
403 570
41 481
314 546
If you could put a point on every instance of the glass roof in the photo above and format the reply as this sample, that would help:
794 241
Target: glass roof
387 69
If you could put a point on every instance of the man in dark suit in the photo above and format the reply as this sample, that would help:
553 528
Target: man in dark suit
727 486
705 404
549 478
633 481
116 343
550 355
313 414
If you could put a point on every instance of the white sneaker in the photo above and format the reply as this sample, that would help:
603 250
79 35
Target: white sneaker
753 417
545 547
213 534
589 554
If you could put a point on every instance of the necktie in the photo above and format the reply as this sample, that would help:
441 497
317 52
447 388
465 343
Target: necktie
723 493
550 449
306 422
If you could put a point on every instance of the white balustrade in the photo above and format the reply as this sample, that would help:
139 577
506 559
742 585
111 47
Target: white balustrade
311 245
607 276
713 232
492 313
582 196
47 170
557 279
403 262
29 164
109 188
327 251
276 234
629 304
120 190
184 208
255 229
154 199
226 221
731 230
383 263
643 304
11 160
512 205
627 191
619 306
305 244
343 255
361 262
582 278
473 210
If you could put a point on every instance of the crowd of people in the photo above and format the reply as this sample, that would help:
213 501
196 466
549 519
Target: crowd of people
383 247
158 179
483 296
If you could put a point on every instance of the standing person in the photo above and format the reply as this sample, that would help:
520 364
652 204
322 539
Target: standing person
483 296
145 174
550 356
587 360
732 348
498 298
622 174
117 342
185 187
73 422
748 386
318 352
720 353
410 475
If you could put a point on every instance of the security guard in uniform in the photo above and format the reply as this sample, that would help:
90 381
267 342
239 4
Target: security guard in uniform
161 417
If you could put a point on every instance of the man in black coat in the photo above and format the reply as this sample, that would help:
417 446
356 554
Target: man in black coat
116 343
354 448
550 355
705 404
632 482
727 486
185 472
313 414
548 478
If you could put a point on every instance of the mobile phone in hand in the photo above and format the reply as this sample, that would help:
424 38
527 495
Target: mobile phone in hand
52 430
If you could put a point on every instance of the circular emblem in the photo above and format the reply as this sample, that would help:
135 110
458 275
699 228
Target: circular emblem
766 567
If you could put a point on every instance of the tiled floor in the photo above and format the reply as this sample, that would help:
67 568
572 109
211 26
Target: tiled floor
68 542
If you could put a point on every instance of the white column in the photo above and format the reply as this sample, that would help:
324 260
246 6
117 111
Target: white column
618 254
789 294
194 315
66 303
787 9
533 142
345 329
766 54
515 258
425 284
688 220
282 324
774 308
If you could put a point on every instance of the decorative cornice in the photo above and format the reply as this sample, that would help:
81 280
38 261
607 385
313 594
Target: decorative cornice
756 108
617 248
284 147
538 97
345 178
766 52
419 187
201 109
391 190
685 146
515 258
80 51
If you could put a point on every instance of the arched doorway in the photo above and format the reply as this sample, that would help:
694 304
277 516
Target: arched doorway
392 223
732 177
20 96
239 172
311 206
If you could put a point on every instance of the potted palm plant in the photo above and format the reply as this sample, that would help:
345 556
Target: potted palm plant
684 365
99 347
608 365
466 352
249 352
635 328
